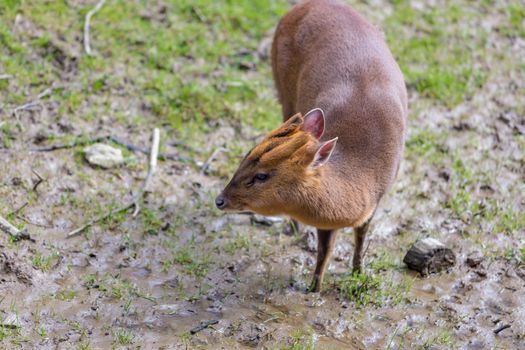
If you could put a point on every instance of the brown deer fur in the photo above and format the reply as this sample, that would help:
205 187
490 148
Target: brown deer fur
327 57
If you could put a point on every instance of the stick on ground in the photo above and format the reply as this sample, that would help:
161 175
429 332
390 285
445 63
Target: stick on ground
151 170
87 23
39 181
501 328
8 228
203 325
211 158
36 103
138 196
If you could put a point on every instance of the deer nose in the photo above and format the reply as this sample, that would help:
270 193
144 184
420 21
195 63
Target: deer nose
220 202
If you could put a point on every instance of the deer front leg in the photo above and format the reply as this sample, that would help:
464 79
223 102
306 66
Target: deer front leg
325 246
359 238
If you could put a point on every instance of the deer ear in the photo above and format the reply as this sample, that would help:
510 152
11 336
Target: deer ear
324 152
314 122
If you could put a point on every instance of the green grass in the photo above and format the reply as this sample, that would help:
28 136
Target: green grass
84 346
300 340
45 262
65 295
188 62
191 264
385 261
372 289
6 134
426 144
116 288
509 221
444 338
516 24
9 333
123 337
433 54
151 220
241 241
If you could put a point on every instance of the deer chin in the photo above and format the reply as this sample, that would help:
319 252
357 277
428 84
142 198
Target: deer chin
237 208
266 211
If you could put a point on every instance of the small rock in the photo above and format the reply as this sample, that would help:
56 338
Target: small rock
103 155
428 256
474 259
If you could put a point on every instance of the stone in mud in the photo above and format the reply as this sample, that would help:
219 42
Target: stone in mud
428 256
103 155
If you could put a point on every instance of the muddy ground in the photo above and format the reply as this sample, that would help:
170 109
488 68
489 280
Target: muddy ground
147 282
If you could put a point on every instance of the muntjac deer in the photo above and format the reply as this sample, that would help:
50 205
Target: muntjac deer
329 164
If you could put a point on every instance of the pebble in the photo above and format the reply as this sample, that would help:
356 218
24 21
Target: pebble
103 155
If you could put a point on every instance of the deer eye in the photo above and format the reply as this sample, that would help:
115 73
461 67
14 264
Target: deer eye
261 177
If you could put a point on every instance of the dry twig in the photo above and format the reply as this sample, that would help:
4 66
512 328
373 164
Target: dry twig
501 328
35 103
203 325
8 228
151 170
39 181
212 157
138 196
16 211
87 22
29 222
